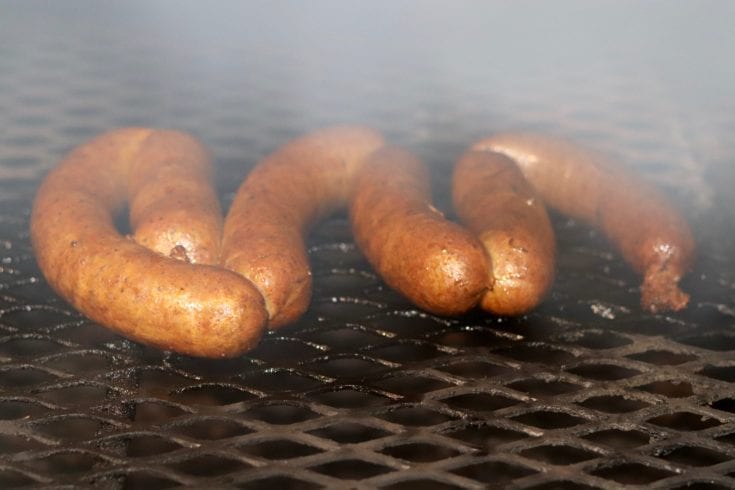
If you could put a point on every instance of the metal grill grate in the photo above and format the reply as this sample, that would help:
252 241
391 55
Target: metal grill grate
365 391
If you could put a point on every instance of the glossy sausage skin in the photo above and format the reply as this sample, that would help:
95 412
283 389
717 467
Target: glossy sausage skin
145 295
493 199
435 263
649 233
174 209
277 204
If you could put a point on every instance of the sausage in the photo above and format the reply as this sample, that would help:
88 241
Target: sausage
195 309
437 264
637 219
494 200
174 208
276 205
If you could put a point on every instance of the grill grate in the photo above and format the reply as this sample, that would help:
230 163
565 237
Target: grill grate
365 391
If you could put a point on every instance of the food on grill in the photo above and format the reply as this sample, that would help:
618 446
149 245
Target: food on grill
649 233
437 264
282 197
174 208
492 198
216 302
195 309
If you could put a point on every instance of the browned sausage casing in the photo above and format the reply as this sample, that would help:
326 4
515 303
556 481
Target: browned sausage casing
174 209
494 200
143 294
650 234
276 205
435 263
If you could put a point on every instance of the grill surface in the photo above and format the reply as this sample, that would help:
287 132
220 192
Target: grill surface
365 391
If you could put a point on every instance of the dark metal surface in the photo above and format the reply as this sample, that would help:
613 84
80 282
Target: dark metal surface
365 391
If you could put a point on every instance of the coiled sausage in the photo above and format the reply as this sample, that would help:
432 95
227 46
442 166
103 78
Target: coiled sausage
637 219
144 294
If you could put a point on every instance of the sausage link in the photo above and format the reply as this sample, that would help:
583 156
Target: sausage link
279 201
638 220
435 263
495 202
174 209
145 295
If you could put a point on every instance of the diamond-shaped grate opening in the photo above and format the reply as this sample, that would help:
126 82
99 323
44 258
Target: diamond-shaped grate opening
475 369
147 412
348 397
278 449
722 373
146 445
410 385
632 473
685 421
599 339
619 438
694 456
727 438
613 404
725 404
486 437
65 462
281 380
544 387
420 452
548 419
669 388
351 469
211 394
480 402
662 357
587 391
208 465
493 472
349 432
413 415
72 428
603 372
209 428
281 414
146 479
558 455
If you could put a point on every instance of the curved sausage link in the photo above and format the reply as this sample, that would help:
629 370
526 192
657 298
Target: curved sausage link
145 295
437 264
174 208
282 197
649 233
498 205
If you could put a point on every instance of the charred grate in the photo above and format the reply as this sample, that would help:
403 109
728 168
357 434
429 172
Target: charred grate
365 391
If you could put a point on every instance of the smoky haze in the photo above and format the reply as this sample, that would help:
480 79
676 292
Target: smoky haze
422 70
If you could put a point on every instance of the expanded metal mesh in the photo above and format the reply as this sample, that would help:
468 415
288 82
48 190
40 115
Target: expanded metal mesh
365 391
